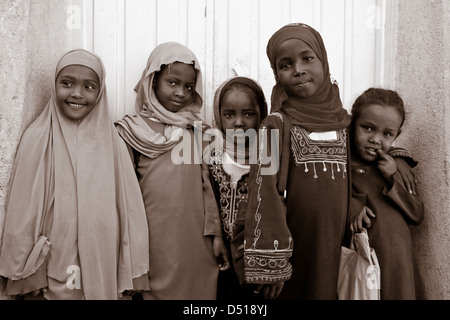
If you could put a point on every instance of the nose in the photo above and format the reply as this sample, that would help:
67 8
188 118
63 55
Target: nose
239 122
299 69
375 138
76 93
179 93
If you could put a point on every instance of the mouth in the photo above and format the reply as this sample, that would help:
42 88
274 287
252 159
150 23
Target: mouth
177 102
302 84
76 105
372 151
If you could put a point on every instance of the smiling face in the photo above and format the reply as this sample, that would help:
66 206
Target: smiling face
376 128
77 89
299 70
174 86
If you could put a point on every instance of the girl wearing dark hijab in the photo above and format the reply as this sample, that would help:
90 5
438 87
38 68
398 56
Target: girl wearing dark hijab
297 213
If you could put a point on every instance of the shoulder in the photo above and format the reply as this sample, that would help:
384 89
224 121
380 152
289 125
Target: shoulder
274 120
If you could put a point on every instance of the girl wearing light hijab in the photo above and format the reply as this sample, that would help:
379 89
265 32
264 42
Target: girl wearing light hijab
183 219
239 104
297 216
75 223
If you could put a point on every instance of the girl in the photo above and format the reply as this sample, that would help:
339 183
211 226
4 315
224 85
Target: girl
378 115
75 220
239 104
177 194
298 201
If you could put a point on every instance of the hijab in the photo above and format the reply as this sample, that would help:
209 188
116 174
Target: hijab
219 95
321 112
74 199
133 128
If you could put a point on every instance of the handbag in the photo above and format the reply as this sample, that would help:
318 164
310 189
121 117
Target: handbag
359 270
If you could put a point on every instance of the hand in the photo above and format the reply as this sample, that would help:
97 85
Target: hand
221 253
362 220
407 175
270 291
39 291
387 166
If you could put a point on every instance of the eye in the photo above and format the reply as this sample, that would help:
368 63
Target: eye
66 83
284 66
250 114
171 82
388 134
90 87
228 115
308 59
190 87
366 128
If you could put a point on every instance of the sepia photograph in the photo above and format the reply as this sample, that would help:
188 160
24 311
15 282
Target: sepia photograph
235 156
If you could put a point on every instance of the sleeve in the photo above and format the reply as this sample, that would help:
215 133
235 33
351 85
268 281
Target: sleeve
267 240
213 224
411 205
397 152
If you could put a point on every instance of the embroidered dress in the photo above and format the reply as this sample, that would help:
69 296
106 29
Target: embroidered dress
314 211
230 182
295 233
395 210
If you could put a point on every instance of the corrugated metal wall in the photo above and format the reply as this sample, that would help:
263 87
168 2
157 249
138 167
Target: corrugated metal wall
229 37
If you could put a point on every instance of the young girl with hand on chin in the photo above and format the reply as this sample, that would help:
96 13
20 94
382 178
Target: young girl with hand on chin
178 195
75 223
299 200
239 107
384 205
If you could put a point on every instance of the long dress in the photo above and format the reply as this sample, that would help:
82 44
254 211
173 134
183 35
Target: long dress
314 209
230 184
316 202
182 263
395 210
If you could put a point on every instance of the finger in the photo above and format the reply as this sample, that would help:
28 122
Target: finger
226 263
367 222
266 291
382 154
272 292
278 290
360 223
351 228
258 289
370 212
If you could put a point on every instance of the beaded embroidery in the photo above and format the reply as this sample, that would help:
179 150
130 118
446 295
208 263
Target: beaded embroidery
265 265
312 153
230 198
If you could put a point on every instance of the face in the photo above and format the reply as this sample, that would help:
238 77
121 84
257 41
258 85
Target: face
175 86
239 111
376 128
299 70
77 89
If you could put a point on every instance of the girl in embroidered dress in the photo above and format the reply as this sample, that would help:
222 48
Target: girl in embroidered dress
385 207
239 104
75 223
298 201
176 188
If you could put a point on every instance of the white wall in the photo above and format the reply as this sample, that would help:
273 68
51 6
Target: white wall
229 36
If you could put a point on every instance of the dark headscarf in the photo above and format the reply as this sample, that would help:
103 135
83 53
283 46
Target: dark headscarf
321 112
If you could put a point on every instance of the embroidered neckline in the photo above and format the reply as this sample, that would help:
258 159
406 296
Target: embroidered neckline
327 155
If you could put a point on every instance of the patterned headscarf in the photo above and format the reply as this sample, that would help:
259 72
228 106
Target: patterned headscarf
321 112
